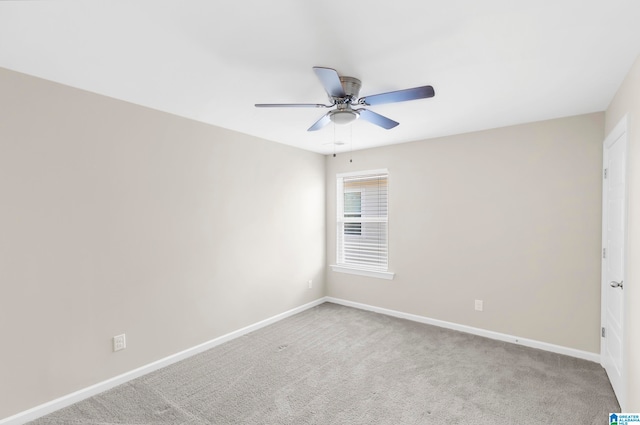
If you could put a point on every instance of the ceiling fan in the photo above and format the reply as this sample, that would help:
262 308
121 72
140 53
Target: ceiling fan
343 95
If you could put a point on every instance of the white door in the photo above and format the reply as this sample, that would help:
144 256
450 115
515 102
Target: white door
614 220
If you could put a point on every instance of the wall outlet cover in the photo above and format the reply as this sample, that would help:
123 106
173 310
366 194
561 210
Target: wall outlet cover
119 342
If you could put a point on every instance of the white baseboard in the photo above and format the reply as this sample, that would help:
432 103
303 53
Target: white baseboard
69 399
585 355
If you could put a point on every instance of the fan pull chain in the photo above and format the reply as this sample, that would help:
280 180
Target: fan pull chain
334 140
351 143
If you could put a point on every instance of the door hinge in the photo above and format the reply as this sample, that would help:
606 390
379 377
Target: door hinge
603 333
605 172
604 252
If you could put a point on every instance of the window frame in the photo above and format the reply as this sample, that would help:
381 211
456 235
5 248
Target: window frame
382 273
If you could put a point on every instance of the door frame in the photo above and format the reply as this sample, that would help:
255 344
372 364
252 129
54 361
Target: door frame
620 130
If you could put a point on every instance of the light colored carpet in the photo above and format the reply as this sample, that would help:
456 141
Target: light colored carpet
338 365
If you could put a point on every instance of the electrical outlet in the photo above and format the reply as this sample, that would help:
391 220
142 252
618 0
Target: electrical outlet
119 342
310 284
478 305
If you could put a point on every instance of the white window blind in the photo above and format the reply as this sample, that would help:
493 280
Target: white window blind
362 215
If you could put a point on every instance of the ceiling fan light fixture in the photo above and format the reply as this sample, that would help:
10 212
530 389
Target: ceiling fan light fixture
343 117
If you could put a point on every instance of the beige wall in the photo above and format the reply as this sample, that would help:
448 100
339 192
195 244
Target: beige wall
510 216
115 218
627 102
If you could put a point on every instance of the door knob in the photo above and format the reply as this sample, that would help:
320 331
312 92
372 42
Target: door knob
615 284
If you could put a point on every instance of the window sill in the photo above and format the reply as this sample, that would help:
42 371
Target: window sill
363 272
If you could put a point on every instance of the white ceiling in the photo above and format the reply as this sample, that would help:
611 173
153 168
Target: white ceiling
492 63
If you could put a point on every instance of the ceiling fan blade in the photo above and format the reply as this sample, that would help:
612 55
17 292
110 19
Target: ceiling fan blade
321 122
377 119
291 105
330 81
399 96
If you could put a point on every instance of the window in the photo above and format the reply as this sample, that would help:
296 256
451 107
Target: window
361 225
353 209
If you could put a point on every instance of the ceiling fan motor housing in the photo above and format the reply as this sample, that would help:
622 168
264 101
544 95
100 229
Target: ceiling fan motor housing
351 87
344 114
